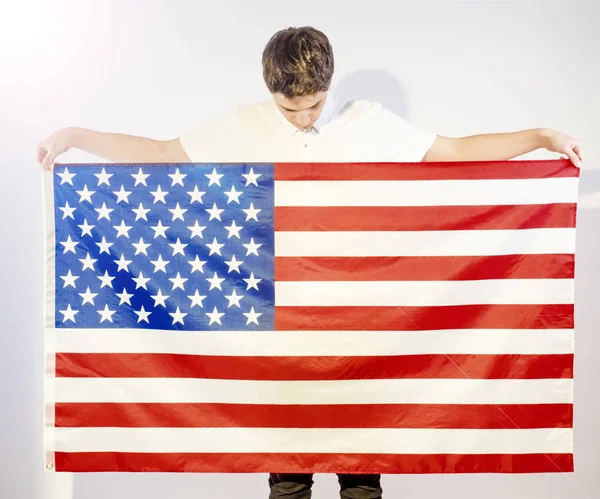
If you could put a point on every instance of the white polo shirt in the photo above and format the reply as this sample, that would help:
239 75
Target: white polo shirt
355 131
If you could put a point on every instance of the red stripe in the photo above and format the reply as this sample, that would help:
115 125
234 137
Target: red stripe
416 218
424 318
464 416
527 169
424 268
312 463
127 365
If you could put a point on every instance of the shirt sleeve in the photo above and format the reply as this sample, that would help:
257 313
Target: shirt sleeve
401 141
211 141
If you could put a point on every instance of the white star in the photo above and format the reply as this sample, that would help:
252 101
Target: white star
252 316
233 195
140 177
233 264
67 211
86 228
104 246
160 230
85 195
66 178
142 315
197 265
196 195
122 263
160 264
252 247
159 299
69 245
252 212
233 230
215 212
214 177
106 280
122 195
178 281
88 262
215 316
178 247
140 212
234 299
124 297
178 316
122 230
251 177
252 282
196 230
104 212
177 212
159 195
69 279
69 313
88 296
196 299
177 178
103 177
215 282
215 247
106 314
141 281
141 247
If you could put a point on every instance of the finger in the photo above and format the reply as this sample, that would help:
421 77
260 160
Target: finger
573 157
578 149
41 154
48 161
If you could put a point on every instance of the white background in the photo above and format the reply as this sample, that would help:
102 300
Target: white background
163 68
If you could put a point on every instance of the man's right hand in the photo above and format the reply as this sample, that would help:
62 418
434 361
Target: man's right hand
53 146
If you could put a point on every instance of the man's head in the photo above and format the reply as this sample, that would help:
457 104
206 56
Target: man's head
297 68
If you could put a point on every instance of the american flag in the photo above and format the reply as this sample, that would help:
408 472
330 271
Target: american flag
353 318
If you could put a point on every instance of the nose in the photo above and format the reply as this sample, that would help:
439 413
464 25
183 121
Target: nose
303 120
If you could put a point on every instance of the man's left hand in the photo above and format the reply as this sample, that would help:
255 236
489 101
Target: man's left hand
561 143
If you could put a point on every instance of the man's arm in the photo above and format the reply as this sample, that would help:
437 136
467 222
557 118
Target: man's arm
115 147
504 146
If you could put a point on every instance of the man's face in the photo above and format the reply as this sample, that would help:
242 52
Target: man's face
302 112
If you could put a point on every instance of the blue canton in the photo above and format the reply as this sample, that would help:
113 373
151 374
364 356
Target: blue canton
164 246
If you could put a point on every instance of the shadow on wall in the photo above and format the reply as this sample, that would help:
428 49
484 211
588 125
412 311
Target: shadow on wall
589 184
377 86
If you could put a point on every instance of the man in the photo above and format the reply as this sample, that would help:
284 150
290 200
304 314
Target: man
303 123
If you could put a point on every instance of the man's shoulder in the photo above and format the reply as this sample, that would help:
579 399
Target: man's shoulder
235 117
252 109
242 116
359 111
362 105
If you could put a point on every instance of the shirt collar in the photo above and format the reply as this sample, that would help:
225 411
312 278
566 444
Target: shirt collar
327 114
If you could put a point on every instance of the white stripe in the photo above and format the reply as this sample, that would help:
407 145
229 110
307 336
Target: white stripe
49 317
315 343
371 391
426 243
425 192
423 293
316 440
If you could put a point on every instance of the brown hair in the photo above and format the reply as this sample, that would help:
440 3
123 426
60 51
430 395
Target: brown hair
298 62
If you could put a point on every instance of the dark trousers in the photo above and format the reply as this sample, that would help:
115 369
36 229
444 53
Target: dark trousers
298 486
